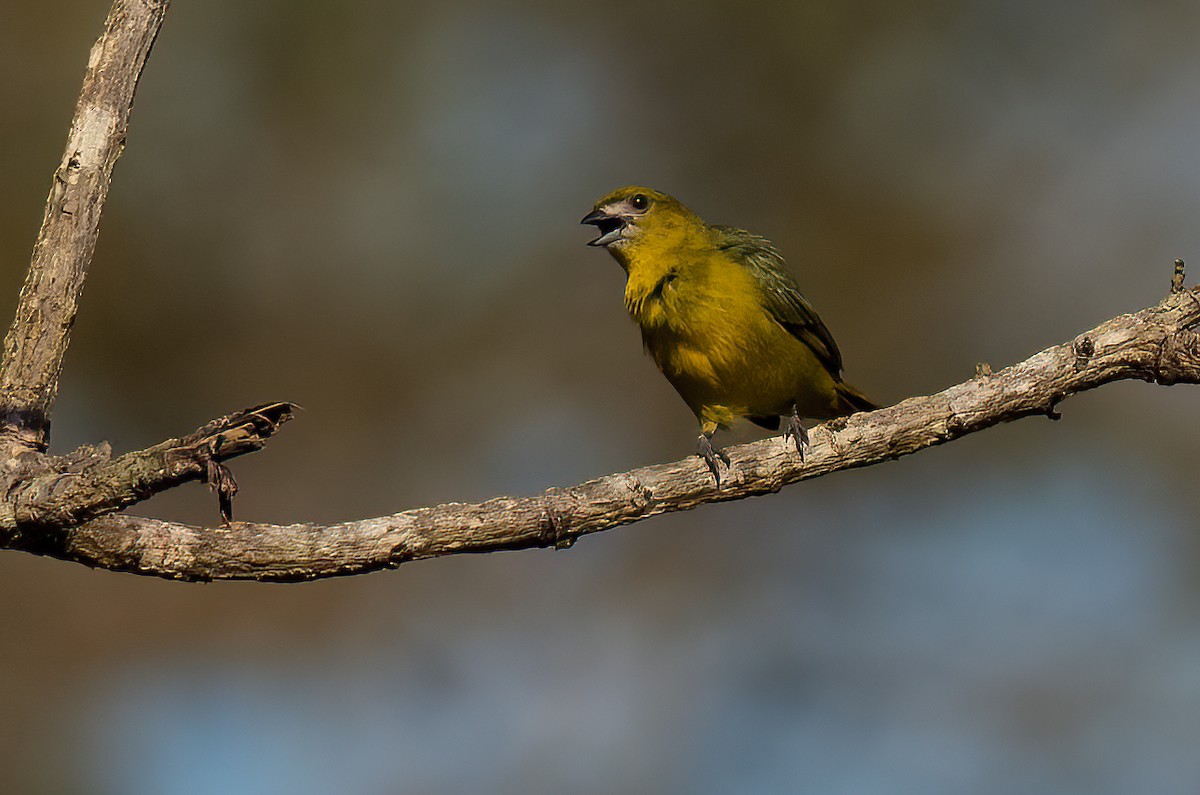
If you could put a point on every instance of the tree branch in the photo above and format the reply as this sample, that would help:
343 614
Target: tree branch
41 493
1156 344
68 490
37 341
54 505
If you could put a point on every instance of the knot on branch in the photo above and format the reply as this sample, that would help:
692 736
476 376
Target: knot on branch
556 529
641 496
21 431
1084 349
1178 359
40 490
955 426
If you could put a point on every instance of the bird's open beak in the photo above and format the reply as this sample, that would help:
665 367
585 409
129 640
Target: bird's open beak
610 226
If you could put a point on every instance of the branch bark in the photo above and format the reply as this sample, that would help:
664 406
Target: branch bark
40 493
1155 344
37 340
68 490
63 505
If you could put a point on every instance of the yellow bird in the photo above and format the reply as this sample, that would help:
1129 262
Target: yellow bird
723 319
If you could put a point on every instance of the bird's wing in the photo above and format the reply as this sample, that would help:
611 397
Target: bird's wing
780 293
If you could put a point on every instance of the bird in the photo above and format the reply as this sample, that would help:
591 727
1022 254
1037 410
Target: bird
724 320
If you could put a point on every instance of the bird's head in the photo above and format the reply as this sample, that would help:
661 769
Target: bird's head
629 218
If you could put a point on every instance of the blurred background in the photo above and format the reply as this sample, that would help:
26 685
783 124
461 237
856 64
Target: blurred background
372 210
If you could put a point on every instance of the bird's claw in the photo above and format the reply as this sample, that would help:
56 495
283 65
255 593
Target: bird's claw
711 455
794 429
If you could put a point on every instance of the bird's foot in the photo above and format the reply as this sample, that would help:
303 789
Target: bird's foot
794 429
711 455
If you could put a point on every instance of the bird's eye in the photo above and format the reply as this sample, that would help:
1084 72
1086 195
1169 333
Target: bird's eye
639 201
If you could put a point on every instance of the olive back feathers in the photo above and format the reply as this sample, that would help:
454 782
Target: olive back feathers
781 295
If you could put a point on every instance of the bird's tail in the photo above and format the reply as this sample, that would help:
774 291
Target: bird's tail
850 400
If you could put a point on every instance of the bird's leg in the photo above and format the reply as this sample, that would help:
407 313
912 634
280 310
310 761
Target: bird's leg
710 454
793 428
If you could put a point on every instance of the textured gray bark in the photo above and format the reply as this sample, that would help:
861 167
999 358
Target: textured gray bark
64 506
37 341
1156 344
42 493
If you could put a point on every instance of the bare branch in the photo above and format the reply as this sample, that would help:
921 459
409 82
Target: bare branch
54 505
1156 344
37 340
42 493
71 489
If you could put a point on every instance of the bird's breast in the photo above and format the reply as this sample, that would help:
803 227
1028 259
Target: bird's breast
719 347
692 332
652 301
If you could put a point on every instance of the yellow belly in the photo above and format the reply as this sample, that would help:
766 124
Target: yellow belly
728 358
758 377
